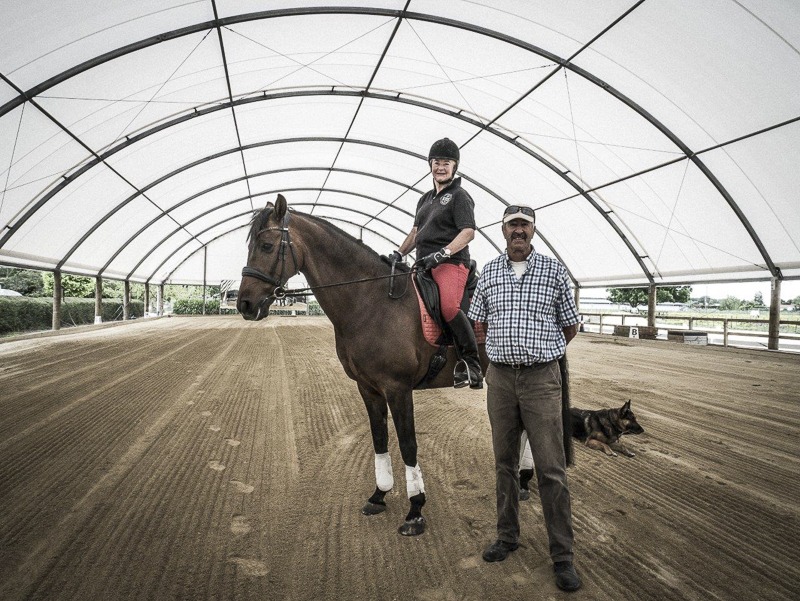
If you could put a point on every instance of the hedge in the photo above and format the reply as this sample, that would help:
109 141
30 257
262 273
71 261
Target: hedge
194 306
24 314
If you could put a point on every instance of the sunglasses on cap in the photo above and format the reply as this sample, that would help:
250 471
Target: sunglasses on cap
519 212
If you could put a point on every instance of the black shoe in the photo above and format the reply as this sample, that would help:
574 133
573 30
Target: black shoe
525 476
499 550
566 576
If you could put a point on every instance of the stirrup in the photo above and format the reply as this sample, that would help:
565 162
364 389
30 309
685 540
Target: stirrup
463 377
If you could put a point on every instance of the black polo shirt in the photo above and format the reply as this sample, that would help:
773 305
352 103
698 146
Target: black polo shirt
440 218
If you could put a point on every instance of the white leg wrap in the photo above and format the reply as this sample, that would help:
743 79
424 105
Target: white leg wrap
525 455
383 472
414 483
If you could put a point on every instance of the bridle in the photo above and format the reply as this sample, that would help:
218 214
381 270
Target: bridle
280 291
279 283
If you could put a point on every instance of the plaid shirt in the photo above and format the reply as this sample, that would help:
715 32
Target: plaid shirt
525 316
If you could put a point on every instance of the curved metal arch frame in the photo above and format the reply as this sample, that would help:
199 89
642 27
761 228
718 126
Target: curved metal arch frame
392 98
240 227
259 144
268 192
402 14
197 162
284 190
198 195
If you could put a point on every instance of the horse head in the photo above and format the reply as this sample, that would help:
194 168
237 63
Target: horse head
271 260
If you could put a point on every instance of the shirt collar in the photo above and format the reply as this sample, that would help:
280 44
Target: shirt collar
456 183
529 259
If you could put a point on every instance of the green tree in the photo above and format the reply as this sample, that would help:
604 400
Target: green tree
24 281
796 303
731 303
639 296
113 289
758 300
175 292
628 296
74 286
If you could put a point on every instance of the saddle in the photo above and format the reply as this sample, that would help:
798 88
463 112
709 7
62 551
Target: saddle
435 331
433 326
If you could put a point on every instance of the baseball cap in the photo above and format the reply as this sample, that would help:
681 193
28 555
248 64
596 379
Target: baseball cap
519 212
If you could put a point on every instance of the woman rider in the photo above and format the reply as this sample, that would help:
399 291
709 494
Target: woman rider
443 227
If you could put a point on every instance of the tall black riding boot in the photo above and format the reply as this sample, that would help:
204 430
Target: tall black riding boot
468 351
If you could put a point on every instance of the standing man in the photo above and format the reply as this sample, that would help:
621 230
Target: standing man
443 227
525 299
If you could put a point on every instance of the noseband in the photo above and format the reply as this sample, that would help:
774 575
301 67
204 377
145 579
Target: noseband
279 283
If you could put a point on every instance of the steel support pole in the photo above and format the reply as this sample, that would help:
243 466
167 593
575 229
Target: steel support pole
205 265
651 306
58 292
98 299
126 302
774 314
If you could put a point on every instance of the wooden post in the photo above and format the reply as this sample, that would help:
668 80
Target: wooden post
205 263
126 302
725 332
58 292
160 301
98 299
146 298
601 323
651 306
774 315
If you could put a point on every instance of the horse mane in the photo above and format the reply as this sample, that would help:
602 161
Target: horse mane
261 216
337 231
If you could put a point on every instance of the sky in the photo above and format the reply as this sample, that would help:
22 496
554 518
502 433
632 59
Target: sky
746 291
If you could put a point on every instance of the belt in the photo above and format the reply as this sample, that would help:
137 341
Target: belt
521 365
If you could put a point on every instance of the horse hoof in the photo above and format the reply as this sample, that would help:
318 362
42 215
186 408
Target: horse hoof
413 527
373 508
524 494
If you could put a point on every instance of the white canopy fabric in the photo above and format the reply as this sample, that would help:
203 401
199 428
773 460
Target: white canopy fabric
658 140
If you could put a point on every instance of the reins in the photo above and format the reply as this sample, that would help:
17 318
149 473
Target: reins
359 281
280 292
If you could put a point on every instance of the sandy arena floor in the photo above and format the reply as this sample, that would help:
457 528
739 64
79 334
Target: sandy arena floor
212 458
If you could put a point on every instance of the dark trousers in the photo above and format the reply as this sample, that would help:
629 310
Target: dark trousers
530 398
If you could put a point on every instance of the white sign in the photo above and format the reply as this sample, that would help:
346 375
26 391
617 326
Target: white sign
633 332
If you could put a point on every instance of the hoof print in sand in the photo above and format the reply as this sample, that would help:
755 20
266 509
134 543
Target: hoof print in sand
242 487
240 525
249 567
216 466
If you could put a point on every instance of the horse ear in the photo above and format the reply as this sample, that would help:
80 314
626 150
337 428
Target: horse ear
280 208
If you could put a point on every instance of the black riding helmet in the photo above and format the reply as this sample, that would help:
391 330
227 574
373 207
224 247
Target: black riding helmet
444 149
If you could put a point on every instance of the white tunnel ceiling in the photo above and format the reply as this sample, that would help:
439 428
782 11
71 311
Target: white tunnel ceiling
659 140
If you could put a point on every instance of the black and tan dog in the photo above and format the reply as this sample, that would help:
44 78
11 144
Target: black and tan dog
601 429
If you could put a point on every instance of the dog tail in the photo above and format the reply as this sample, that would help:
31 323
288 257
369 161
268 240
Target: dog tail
566 418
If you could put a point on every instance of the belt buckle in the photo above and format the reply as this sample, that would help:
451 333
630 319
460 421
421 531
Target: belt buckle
516 366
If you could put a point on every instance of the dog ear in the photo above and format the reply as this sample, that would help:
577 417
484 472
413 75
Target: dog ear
627 406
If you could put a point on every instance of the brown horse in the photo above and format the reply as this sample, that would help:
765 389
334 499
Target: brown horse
379 340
